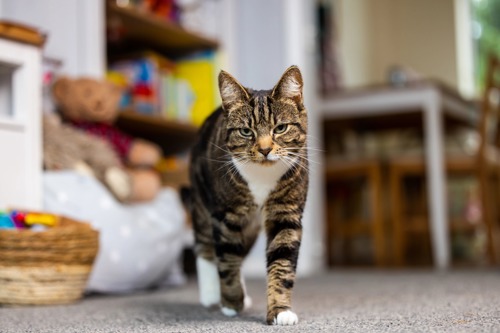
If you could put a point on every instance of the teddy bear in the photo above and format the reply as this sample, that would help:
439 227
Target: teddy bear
67 148
91 106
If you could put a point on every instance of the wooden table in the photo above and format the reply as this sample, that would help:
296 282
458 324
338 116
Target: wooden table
436 103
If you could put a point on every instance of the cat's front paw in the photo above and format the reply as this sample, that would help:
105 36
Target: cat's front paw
228 312
286 318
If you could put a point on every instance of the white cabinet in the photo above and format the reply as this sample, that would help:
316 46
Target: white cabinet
20 129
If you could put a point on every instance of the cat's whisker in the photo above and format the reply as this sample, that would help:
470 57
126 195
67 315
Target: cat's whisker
304 156
226 159
308 148
289 163
294 165
224 150
242 160
223 159
228 163
231 171
298 163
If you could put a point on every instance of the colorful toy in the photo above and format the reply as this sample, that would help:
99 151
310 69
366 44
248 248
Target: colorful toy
6 221
196 71
142 75
16 219
183 90
48 220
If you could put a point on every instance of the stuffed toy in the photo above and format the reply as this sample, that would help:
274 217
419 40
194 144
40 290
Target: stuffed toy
91 106
67 148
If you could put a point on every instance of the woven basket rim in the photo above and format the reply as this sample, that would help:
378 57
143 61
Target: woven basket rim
65 223
68 242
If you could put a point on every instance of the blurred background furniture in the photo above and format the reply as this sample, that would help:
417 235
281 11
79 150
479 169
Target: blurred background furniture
20 110
348 225
425 103
484 166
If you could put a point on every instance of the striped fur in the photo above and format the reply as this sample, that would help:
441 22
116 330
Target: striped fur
248 171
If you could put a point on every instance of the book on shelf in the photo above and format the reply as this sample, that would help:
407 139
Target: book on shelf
181 90
198 72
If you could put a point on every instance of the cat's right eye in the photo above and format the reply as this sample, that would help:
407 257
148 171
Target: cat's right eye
246 132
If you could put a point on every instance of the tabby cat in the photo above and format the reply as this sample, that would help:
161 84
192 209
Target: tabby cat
249 169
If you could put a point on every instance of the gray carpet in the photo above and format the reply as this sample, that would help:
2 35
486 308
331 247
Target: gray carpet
351 301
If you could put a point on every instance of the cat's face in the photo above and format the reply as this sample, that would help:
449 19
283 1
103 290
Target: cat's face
265 126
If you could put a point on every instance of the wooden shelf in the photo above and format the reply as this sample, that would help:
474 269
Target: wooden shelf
172 136
142 29
421 224
130 30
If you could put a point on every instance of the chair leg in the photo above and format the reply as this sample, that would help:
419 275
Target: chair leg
329 231
396 216
487 213
377 218
495 225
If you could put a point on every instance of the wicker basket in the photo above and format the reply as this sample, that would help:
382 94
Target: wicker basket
46 267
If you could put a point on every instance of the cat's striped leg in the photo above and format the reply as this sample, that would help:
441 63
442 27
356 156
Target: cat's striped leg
284 233
230 253
234 235
232 289
233 239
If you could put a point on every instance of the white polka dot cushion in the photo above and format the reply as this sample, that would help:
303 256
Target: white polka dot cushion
140 244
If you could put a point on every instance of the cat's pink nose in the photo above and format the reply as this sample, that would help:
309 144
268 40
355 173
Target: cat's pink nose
265 151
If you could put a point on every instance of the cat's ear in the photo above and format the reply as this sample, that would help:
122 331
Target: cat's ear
232 92
290 85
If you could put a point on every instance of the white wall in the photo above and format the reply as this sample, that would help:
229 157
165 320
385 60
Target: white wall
353 19
465 49
374 35
75 30
260 42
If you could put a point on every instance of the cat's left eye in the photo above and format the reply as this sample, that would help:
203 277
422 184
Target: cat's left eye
246 132
280 128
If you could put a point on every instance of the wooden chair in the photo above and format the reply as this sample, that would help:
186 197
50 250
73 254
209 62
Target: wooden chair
485 165
345 230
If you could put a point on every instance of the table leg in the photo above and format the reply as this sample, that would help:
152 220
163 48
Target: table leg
436 179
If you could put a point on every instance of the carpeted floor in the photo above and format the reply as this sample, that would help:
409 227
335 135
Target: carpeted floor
351 301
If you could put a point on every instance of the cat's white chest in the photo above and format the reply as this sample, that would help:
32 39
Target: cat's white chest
261 179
